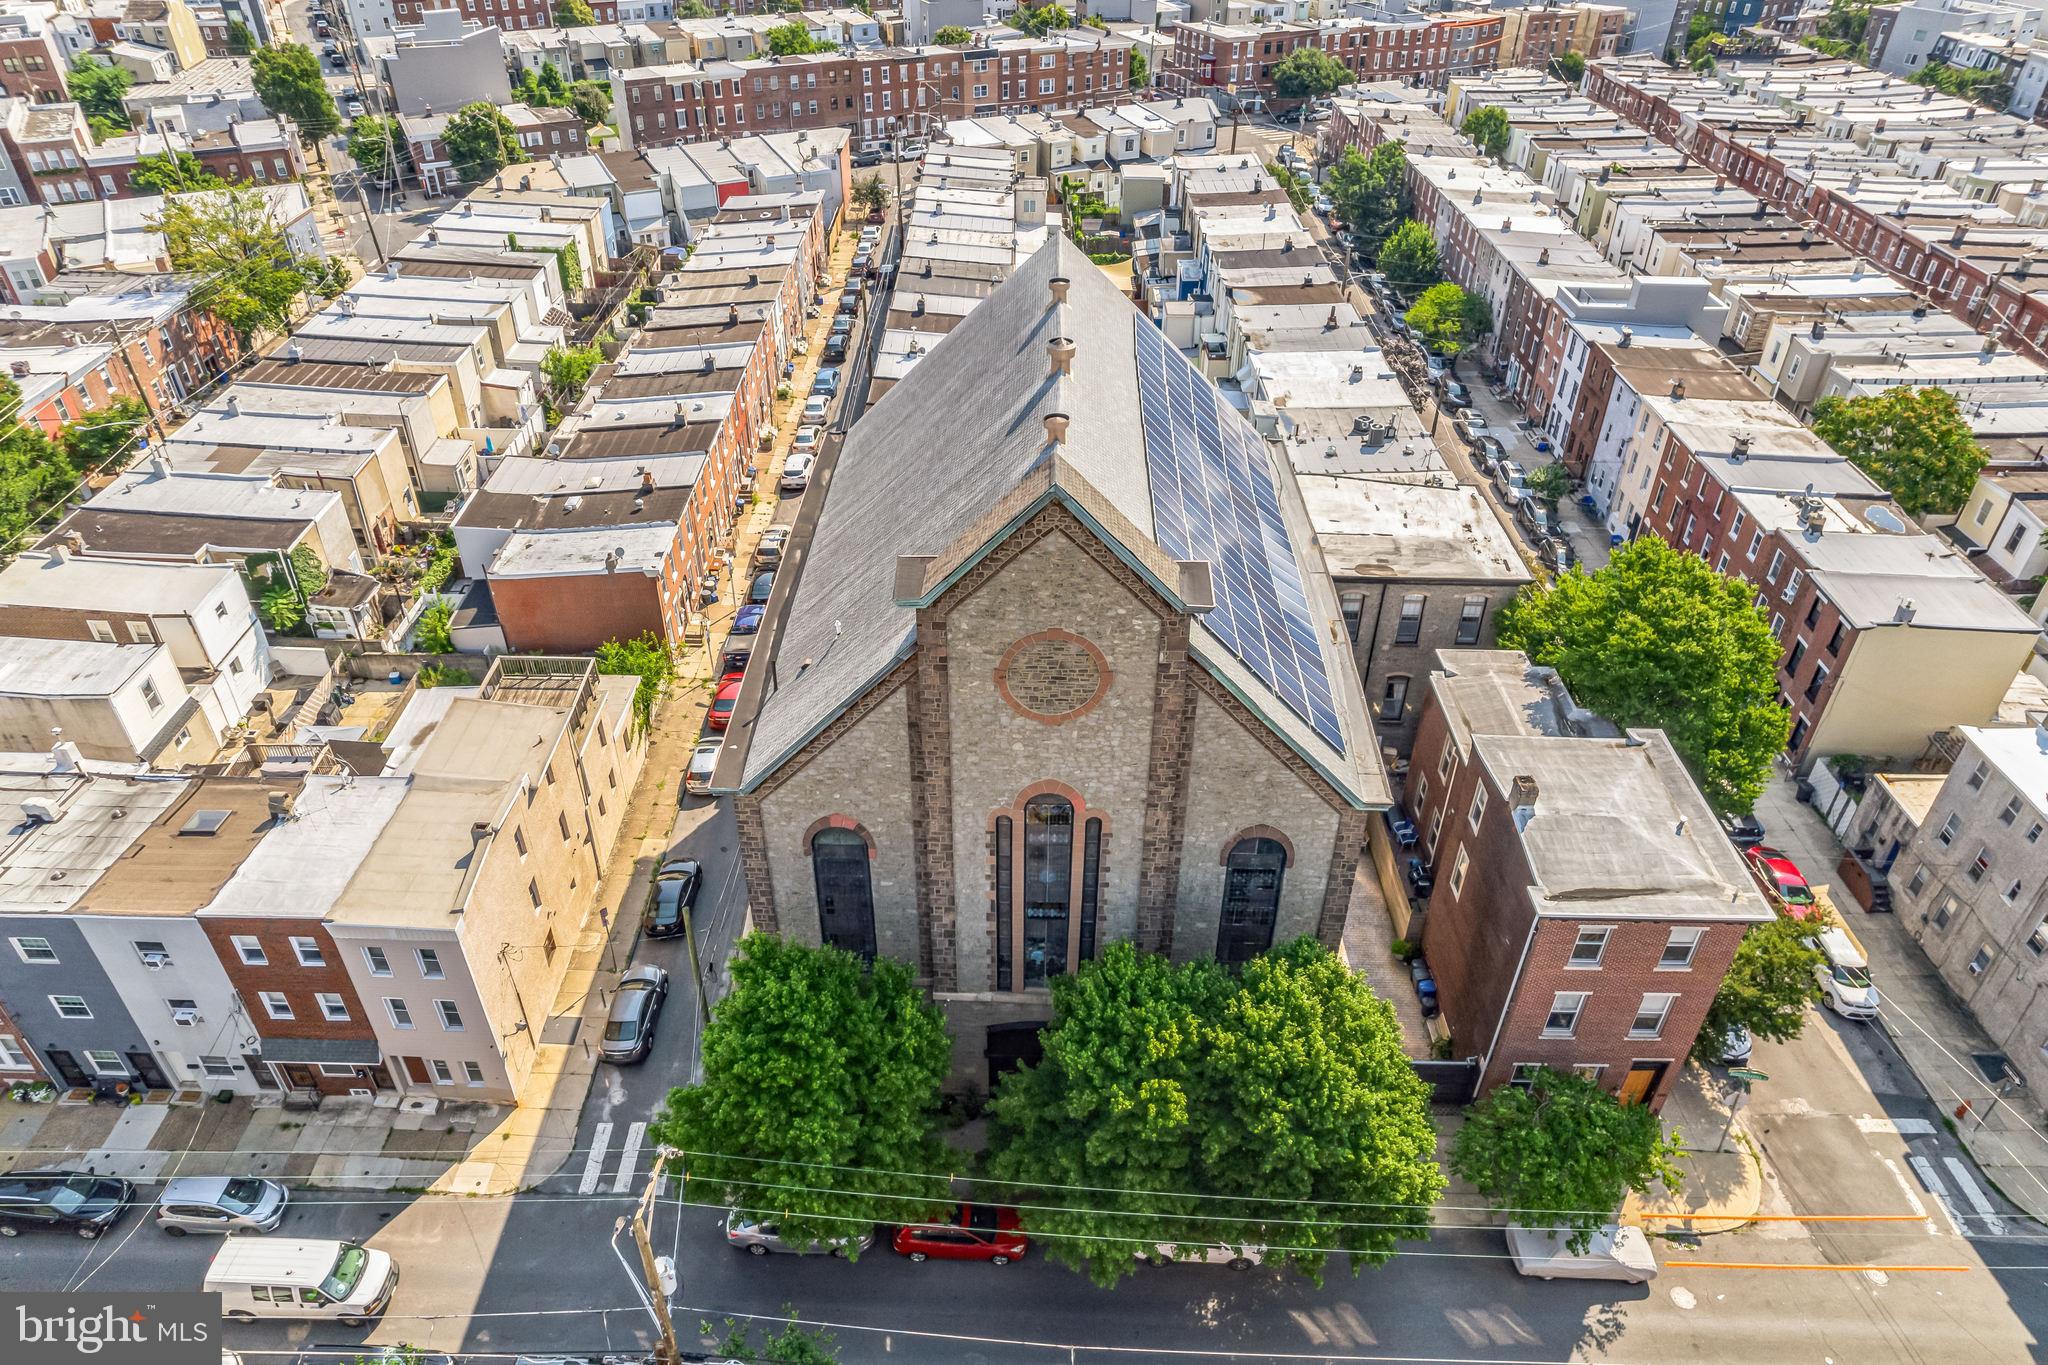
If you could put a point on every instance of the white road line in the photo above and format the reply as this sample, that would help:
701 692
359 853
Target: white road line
1900 1127
631 1158
1975 1194
1913 1201
1925 1170
593 1165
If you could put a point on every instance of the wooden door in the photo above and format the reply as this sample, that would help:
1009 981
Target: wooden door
1641 1082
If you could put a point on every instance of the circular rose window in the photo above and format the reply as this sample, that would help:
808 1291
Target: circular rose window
1053 676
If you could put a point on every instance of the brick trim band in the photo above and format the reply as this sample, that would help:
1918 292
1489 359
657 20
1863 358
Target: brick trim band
1104 676
845 822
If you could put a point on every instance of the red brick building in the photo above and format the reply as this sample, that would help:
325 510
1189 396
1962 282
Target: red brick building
31 62
1229 57
1585 902
18 1060
509 15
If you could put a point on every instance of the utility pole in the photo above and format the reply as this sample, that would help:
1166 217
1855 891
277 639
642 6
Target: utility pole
666 1351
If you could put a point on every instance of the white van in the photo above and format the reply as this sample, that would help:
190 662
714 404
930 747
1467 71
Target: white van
1844 977
273 1277
1612 1253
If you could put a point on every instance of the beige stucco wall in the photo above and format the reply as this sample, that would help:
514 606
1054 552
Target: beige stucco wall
1235 782
1900 684
998 752
864 775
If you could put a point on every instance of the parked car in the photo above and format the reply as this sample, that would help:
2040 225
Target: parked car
827 382
1732 1048
1556 553
720 714
1511 479
1844 976
736 660
703 759
837 341
796 473
814 409
353 107
1452 395
806 442
219 1203
763 585
1613 1253
863 261
1488 452
1784 885
849 300
629 1027
1470 424
977 1232
1536 517
764 1238
68 1201
1323 205
867 156
1744 831
912 150
672 896
1237 1257
748 621
768 554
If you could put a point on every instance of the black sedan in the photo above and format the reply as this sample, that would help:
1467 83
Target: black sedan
672 897
70 1201
629 1028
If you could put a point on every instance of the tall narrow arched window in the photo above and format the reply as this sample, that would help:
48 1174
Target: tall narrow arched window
1002 853
1048 886
1251 899
846 898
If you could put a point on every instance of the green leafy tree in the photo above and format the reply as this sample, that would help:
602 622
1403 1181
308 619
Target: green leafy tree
430 634
1308 73
281 607
377 145
308 571
591 101
34 473
574 14
952 35
568 368
645 657
1261 1109
233 241
241 42
1409 256
1141 70
1489 129
1768 986
98 87
100 436
1550 482
290 83
1094 21
1991 89
871 194
1913 442
821 1083
693 9
788 1345
1370 193
1841 30
480 141
1449 320
794 38
1299 192
1569 66
172 173
1658 639
1563 1153
1042 19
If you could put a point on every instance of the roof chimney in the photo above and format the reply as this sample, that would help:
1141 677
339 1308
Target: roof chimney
1678 389
1741 449
646 482
1903 613
1628 334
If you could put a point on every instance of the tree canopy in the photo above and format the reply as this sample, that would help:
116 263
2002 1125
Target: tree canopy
172 173
34 473
1570 67
1913 442
952 35
1299 192
1769 984
1308 73
1449 320
1040 20
821 1084
103 434
692 9
480 141
574 14
644 657
289 81
1551 482
1992 89
794 38
1488 127
568 368
98 87
1370 193
1185 1096
1141 70
1561 1152
250 278
1656 638
546 89
1408 257
1841 29
870 192
241 42
378 146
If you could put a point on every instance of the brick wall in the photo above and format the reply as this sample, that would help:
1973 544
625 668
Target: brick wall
283 973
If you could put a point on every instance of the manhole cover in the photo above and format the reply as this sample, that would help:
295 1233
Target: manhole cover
1995 1067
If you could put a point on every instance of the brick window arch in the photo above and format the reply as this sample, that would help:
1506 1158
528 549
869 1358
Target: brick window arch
841 851
1045 865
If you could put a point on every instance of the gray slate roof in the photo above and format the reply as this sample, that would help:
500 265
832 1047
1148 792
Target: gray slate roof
962 437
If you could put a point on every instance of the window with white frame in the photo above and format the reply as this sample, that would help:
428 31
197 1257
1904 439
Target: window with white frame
442 1075
1950 827
1478 805
1589 947
1459 866
473 1073
275 1004
333 1008
1917 882
34 950
1679 948
400 1012
451 1016
378 964
1651 1014
1982 961
307 950
1523 1075
107 1063
70 1007
430 963
250 951
1563 1019
12 1057
220 1068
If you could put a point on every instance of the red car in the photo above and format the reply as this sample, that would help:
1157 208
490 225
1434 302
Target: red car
721 706
977 1232
1781 880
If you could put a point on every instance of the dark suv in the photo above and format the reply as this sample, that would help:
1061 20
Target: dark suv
69 1200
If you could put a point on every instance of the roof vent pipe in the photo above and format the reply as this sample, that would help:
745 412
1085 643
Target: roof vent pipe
1060 351
1059 284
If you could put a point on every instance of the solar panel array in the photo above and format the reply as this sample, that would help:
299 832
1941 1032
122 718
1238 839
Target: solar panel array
1213 499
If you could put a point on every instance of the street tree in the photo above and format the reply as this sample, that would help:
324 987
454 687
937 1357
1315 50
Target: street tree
1041 19
1141 70
480 141
1769 985
34 474
1488 127
952 35
103 435
1569 66
1370 193
1308 73
98 87
248 275
1913 442
790 1344
1563 1153
645 657
1658 639
1551 482
377 145
291 85
871 193
574 14
1409 256
1449 320
1203 1107
1300 193
819 1104
794 39
173 172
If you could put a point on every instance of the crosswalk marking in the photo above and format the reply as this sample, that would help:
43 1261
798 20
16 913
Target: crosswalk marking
631 1158
1925 1170
1913 1200
1900 1127
1964 1182
593 1165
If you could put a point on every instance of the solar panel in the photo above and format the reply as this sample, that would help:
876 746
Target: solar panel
1213 499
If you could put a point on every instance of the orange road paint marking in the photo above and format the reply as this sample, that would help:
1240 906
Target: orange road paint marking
1771 1265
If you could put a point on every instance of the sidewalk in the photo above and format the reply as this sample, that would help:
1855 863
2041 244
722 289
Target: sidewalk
1723 1187
1931 1030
